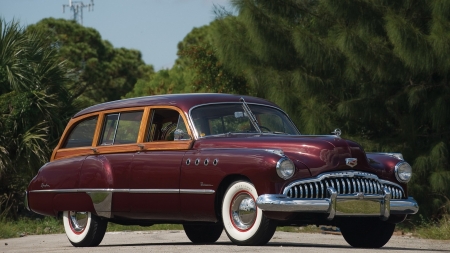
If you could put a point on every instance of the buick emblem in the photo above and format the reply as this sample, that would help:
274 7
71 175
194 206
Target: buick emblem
352 162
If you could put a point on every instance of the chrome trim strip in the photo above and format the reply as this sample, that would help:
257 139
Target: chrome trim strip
193 191
152 191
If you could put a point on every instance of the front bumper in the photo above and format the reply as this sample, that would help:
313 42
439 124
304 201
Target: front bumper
358 204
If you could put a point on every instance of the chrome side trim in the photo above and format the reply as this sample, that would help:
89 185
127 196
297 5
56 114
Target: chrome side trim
170 191
98 190
193 191
102 198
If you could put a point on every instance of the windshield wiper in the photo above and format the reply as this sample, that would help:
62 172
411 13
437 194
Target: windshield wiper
250 114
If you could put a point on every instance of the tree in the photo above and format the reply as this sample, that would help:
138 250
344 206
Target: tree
99 72
33 109
197 53
197 69
377 69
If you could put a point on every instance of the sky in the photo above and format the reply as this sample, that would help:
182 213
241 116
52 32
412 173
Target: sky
154 27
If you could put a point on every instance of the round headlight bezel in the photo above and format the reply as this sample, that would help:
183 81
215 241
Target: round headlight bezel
400 172
281 169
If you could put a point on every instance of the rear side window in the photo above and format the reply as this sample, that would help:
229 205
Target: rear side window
121 128
166 125
82 134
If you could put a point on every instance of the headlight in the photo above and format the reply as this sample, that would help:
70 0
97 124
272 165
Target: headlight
403 172
285 168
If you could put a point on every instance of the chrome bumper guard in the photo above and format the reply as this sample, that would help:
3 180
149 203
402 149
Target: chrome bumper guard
358 204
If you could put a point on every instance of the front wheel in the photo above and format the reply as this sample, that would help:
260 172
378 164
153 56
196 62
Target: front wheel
367 232
84 229
203 233
244 222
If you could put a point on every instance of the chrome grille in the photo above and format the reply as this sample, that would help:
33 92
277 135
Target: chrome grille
348 182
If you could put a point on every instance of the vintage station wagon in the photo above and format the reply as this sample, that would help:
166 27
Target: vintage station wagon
213 162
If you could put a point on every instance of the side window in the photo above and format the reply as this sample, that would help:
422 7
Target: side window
121 128
82 134
181 132
272 122
166 125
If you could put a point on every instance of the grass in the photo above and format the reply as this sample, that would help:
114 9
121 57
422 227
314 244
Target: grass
50 225
26 226
432 230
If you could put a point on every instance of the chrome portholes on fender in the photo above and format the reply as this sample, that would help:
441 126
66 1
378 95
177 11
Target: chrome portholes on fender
244 223
84 229
206 161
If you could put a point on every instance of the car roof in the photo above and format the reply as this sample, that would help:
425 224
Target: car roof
183 101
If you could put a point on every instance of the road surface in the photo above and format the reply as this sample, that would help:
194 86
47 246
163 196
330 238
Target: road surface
176 241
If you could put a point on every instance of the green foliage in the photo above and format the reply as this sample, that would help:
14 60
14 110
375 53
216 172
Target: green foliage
379 70
98 71
33 107
197 69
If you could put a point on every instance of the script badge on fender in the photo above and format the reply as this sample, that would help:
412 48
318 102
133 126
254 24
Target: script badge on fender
352 162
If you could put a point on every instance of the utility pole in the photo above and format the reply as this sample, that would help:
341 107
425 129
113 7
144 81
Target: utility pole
76 7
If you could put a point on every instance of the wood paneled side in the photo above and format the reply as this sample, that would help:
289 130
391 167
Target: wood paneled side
96 149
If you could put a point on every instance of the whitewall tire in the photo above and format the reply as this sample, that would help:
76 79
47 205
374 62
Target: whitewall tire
83 229
244 222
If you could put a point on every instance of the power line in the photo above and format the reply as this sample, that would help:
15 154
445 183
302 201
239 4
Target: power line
76 7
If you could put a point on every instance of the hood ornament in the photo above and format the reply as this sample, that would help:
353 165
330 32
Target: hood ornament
352 162
337 132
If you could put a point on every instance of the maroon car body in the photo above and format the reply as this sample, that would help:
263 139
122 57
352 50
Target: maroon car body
214 162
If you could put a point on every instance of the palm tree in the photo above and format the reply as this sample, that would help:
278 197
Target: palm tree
33 109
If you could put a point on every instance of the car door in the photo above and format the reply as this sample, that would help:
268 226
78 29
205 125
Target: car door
155 170
105 174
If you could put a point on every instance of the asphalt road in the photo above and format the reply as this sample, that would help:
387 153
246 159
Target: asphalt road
176 241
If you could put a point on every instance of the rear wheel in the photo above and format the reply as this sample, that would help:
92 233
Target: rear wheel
244 222
203 233
367 232
83 229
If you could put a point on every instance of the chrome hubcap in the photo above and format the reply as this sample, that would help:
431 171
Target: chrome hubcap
78 220
243 211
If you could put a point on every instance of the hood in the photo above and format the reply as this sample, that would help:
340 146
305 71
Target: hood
318 153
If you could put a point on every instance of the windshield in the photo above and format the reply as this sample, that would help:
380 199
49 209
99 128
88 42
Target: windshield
231 118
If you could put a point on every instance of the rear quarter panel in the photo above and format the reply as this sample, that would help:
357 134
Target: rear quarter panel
56 175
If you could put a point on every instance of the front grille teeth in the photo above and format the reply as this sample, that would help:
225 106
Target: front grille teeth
317 188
